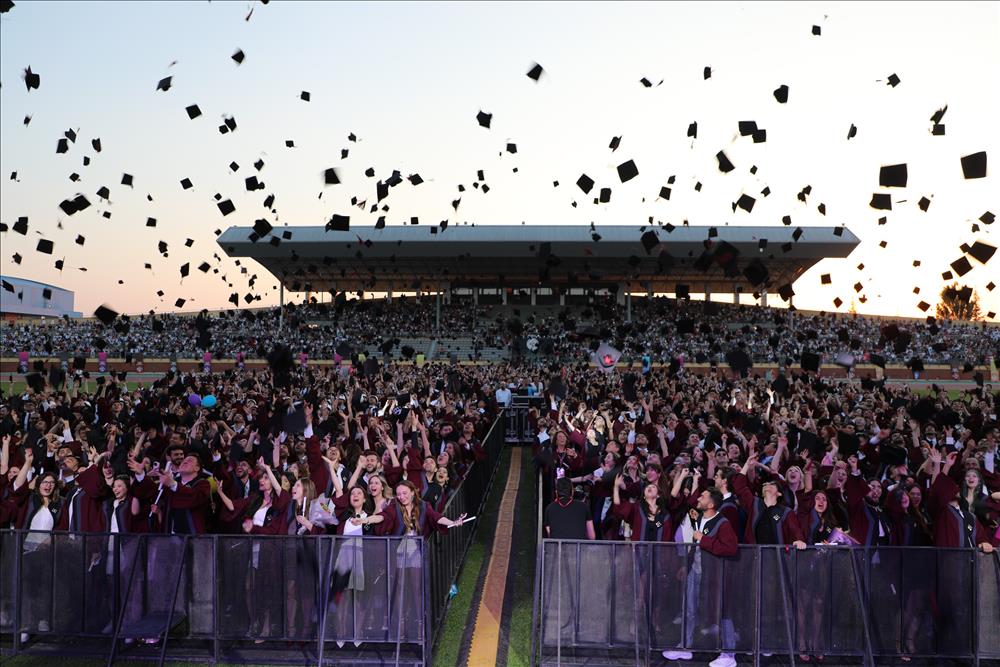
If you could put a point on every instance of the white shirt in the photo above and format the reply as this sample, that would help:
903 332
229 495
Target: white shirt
42 521
503 396
351 529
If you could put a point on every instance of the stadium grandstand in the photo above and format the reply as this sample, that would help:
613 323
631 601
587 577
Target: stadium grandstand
22 298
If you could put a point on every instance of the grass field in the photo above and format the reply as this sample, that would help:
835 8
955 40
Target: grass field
458 617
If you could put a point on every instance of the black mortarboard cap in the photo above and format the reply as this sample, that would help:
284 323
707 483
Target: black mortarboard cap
331 177
649 240
238 56
893 176
982 252
262 227
756 272
693 130
179 303
746 203
339 223
809 361
877 360
31 79
682 292
305 96
226 207
185 269
881 202
781 94
164 84
893 80
627 171
21 225
924 204
605 195
127 179
44 246
725 166
535 72
786 292
974 166
105 314
585 183
193 111
484 119
707 73
853 132
961 266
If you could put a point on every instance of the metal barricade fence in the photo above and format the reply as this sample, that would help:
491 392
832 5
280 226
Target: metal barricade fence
212 589
624 602
446 551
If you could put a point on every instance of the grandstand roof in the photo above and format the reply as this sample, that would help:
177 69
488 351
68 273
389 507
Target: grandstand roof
411 257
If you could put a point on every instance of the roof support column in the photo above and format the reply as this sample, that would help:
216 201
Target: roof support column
628 306
388 294
562 296
534 293
437 311
737 293
763 297
475 296
503 295
708 291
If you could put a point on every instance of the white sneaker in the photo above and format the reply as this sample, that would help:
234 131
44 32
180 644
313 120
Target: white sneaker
357 644
724 660
24 637
43 626
678 655
340 644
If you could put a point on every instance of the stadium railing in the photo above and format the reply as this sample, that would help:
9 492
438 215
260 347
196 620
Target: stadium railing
237 598
622 603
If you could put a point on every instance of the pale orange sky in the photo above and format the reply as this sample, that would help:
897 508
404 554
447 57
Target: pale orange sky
408 80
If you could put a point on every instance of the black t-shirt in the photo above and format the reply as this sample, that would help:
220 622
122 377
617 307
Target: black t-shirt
567 522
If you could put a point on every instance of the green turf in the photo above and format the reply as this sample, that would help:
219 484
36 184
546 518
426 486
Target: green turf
460 614
522 581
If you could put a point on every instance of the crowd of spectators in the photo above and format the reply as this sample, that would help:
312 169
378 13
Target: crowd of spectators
797 460
353 450
663 329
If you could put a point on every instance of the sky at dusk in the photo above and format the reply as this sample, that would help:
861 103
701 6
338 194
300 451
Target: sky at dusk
408 79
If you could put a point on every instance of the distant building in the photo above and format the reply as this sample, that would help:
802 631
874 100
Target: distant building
27 298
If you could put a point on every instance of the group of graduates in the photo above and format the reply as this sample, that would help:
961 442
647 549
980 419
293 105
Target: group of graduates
720 461
291 451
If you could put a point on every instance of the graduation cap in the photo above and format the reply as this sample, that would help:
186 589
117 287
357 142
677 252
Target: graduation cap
585 183
924 204
893 80
809 361
627 171
238 56
781 94
331 177
756 272
226 207
21 225
649 240
881 202
725 166
44 246
893 176
484 119
961 266
746 203
982 252
339 223
193 111
127 179
105 314
974 165
31 79
682 291
605 195
786 292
